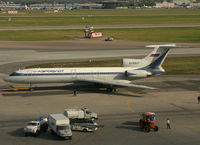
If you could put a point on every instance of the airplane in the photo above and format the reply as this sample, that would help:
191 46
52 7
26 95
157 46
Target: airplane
111 77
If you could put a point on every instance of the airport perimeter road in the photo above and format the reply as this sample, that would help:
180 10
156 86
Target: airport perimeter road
97 26
119 112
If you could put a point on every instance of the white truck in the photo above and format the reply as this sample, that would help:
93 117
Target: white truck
60 125
36 126
83 113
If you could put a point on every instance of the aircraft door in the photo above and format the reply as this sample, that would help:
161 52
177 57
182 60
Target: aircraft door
29 76
94 75
74 74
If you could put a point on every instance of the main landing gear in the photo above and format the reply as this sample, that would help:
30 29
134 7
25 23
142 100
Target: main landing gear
111 90
30 88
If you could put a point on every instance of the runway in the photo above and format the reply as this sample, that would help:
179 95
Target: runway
97 27
119 112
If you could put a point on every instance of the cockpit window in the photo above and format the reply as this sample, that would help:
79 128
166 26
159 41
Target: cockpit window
13 74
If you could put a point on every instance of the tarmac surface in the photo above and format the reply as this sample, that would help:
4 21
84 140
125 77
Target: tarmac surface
118 112
98 26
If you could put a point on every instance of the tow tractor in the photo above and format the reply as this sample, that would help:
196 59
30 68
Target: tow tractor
147 121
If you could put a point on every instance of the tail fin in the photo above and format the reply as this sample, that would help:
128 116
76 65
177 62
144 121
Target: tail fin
158 55
154 59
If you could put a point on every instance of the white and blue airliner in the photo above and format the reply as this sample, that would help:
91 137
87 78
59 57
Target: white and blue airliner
111 77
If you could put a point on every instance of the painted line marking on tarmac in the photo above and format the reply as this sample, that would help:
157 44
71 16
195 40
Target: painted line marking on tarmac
129 105
14 89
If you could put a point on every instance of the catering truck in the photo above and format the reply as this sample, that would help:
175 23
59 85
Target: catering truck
83 113
36 126
60 125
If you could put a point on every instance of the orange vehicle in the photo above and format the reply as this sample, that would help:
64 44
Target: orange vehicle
147 121
90 33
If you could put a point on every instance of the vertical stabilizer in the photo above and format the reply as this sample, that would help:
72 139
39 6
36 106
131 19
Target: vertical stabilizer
158 55
154 59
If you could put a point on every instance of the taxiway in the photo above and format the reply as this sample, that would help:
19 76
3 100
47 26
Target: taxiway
119 112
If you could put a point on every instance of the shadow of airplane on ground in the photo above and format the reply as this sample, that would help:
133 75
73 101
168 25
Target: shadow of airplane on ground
69 89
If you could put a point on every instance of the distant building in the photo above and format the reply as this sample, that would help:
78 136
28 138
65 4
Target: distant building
9 6
165 4
194 1
194 5
43 6
180 2
70 6
89 6
113 4
47 6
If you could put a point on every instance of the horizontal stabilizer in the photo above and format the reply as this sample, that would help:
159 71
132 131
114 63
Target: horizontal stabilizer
167 46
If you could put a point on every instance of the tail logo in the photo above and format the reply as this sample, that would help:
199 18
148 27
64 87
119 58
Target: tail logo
154 55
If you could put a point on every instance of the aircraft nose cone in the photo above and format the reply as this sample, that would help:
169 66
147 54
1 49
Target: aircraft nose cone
7 79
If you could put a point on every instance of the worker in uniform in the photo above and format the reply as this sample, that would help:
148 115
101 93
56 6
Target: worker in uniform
75 92
198 99
168 123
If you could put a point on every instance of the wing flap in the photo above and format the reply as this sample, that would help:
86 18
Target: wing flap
119 83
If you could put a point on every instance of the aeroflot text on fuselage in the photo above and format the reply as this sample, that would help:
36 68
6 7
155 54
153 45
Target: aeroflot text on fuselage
48 71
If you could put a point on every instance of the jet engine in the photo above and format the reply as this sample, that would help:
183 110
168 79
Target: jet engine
137 73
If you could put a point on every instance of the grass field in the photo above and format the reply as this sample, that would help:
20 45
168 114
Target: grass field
96 20
187 34
108 17
112 12
182 65
172 66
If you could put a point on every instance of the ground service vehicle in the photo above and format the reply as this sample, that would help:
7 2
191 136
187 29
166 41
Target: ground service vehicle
84 125
90 33
36 126
147 121
83 113
60 125
109 39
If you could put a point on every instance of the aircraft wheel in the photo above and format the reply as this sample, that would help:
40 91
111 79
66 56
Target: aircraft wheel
109 89
141 124
147 129
70 138
156 128
37 133
85 130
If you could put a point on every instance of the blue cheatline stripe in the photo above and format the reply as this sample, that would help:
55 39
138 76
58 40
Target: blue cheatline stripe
131 73
49 74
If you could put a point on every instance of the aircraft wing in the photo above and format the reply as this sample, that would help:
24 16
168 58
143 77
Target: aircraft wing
119 83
